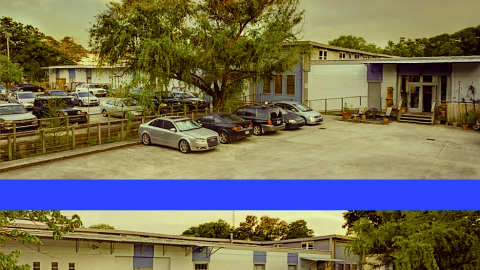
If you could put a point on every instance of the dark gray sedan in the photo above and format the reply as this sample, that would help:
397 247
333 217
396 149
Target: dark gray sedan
178 132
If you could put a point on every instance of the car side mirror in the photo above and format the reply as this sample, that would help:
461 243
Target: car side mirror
173 130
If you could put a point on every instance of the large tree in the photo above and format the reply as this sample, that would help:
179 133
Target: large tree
423 240
298 229
10 72
354 42
214 45
56 222
31 49
215 229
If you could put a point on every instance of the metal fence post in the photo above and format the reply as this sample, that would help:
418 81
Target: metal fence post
14 136
99 134
44 145
360 100
10 157
73 137
88 127
109 125
342 104
121 130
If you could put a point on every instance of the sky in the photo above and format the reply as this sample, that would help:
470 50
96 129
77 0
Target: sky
377 21
175 222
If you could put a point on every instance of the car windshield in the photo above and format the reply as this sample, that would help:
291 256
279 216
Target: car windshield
85 94
58 93
95 86
302 107
13 109
130 102
283 110
26 95
187 125
232 118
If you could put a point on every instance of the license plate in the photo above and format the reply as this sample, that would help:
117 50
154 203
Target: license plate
247 132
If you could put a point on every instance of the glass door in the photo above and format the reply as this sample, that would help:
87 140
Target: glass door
415 99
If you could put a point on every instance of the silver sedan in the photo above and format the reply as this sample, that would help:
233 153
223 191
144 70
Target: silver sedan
178 132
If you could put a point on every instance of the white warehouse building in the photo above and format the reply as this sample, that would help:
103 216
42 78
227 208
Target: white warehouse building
93 249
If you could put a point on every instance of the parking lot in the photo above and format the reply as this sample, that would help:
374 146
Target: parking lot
332 150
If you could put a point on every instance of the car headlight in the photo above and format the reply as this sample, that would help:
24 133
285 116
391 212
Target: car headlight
311 116
7 122
65 113
79 112
200 140
292 121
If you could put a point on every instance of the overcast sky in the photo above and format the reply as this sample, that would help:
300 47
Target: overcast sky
376 20
175 222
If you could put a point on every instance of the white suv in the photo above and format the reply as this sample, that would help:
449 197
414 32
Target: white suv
94 89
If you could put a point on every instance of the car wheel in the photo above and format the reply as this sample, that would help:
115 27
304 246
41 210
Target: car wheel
80 103
146 139
223 137
257 130
105 114
9 101
305 119
184 147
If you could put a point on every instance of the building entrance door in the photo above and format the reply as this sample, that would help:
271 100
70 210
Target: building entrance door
414 102
427 98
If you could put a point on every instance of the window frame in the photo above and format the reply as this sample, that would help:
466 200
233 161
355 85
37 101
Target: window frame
289 77
259 264
36 266
200 263
267 82
278 81
308 245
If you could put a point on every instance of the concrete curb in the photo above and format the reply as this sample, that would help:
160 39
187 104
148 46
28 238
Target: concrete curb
34 161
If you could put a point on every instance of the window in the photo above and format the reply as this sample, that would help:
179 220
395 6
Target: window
340 267
36 265
324 55
201 266
292 267
427 78
307 245
350 56
259 267
443 88
240 111
217 120
168 125
250 112
414 78
206 119
71 266
266 86
354 267
277 245
54 265
278 85
347 267
291 85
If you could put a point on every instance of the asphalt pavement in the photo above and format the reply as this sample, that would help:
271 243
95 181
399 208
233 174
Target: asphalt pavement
331 150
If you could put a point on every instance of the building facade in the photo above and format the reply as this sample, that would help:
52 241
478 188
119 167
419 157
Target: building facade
91 249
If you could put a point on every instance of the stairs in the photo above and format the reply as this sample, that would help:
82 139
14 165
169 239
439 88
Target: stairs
416 118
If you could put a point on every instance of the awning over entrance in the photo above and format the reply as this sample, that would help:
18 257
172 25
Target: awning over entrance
321 260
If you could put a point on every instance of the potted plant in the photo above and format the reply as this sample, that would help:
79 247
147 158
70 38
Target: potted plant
346 112
364 113
385 120
464 120
442 110
454 121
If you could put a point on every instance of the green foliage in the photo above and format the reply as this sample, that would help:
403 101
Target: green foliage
215 229
31 49
54 220
424 240
357 43
463 118
209 44
298 229
102 226
10 73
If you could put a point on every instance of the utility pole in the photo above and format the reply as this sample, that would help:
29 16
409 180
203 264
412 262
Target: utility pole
8 35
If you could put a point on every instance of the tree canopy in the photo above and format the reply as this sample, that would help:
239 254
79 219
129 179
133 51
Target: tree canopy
31 49
56 222
10 72
214 45
423 240
357 43
254 229
102 226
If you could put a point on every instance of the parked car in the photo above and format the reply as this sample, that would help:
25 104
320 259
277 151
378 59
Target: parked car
94 89
29 87
2 87
309 115
265 118
228 126
120 107
178 132
292 120
84 98
25 99
48 106
190 101
3 93
55 93
16 113
8 92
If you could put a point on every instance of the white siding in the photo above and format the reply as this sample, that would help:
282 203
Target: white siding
80 75
466 73
336 81
389 80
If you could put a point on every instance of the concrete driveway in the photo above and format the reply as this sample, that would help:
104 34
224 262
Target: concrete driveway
332 150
